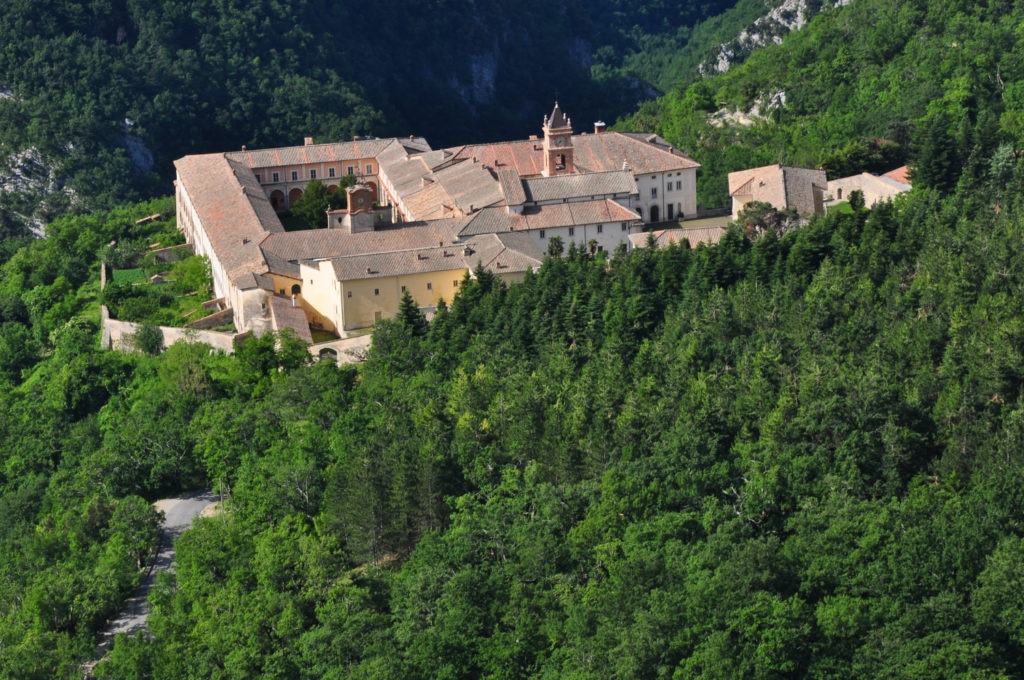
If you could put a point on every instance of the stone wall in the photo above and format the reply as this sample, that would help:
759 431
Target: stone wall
116 335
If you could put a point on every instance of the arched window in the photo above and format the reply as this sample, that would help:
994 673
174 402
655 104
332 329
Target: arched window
296 289
654 213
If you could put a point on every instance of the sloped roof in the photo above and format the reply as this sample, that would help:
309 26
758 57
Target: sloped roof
557 119
550 216
233 209
284 315
645 153
322 153
781 186
398 263
285 251
504 253
900 175
602 152
576 186
511 186
666 237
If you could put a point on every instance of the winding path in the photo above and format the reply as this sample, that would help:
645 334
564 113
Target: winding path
179 513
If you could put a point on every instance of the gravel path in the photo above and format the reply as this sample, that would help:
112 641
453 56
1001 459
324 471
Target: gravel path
178 515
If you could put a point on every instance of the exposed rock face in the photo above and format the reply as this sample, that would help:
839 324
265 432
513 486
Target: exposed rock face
791 15
30 176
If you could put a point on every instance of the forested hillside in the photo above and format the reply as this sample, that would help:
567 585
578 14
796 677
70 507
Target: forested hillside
782 456
794 454
863 88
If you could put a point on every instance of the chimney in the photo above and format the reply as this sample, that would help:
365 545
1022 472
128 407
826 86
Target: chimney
599 127
243 147
308 141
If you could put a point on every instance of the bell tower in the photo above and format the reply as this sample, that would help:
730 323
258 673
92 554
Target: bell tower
557 144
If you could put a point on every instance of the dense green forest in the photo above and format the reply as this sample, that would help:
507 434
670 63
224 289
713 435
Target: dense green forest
786 455
798 453
865 88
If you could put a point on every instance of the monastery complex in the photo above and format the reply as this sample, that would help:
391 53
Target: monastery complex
418 219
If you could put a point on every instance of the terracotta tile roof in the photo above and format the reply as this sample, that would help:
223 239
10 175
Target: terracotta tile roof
782 186
431 202
525 156
284 315
233 209
603 152
285 251
645 153
506 253
471 185
666 237
550 216
399 262
575 186
511 186
313 153
901 175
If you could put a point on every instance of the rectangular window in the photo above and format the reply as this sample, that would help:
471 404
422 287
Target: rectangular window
351 170
330 172
430 286
312 173
600 229
403 289
295 175
349 294
258 177
277 177
542 234
624 227
572 231
455 283
668 187
679 185
376 291
654 192
369 169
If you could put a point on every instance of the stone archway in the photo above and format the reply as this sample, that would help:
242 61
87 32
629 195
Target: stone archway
373 187
293 196
655 213
277 200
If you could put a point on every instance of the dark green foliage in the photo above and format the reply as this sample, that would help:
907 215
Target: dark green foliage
110 93
148 339
312 206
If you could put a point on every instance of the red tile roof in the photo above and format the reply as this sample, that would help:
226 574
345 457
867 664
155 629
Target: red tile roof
234 211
